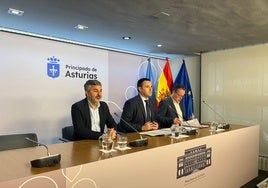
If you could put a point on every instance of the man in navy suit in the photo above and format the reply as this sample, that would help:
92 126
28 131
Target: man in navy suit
90 115
170 110
139 111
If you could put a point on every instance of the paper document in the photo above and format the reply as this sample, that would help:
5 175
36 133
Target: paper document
193 123
159 132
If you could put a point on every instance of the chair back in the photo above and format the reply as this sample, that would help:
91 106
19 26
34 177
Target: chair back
68 133
16 141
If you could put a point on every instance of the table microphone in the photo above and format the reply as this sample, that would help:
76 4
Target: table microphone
226 125
49 160
187 132
136 143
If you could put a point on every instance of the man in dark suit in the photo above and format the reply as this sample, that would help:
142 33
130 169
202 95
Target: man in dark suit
90 115
139 111
170 110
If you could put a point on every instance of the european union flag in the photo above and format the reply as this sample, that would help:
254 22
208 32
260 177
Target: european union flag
187 100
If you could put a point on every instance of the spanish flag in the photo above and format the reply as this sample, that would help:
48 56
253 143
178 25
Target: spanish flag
165 83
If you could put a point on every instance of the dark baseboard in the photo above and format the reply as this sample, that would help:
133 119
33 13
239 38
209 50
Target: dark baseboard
253 183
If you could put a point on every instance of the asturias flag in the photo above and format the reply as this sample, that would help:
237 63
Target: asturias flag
187 100
149 75
165 83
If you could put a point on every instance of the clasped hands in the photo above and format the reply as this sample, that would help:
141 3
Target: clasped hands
150 126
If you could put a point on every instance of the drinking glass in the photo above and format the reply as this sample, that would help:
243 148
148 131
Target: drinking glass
107 142
213 126
175 130
121 141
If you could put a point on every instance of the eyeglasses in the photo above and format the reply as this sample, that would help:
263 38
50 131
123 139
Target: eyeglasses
178 95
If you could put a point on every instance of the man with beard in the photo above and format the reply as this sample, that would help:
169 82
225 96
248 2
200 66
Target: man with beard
90 115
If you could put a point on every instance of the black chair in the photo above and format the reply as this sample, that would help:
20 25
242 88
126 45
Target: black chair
16 141
67 134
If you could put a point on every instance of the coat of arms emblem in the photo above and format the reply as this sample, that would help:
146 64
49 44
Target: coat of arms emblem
53 68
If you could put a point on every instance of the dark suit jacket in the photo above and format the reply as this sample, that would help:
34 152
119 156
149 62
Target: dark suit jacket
82 121
134 114
167 112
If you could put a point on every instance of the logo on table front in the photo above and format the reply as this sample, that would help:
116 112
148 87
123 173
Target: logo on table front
193 160
53 68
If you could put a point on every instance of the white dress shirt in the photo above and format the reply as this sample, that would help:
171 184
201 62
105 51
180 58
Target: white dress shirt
95 118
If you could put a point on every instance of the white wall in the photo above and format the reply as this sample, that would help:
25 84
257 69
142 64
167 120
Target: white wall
31 101
235 83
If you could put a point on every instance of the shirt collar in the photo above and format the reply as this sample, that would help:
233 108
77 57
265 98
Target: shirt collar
143 98
90 105
175 101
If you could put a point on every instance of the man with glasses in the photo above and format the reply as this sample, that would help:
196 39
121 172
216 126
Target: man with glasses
170 110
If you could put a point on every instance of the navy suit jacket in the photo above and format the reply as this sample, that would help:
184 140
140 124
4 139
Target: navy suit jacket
82 121
134 113
167 112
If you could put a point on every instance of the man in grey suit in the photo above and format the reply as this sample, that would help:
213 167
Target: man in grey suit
90 115
170 110
139 111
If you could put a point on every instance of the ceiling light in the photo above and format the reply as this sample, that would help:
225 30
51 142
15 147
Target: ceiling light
126 38
81 27
159 45
15 11
166 14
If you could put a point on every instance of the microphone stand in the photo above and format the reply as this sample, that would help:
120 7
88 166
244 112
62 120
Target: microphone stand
135 143
49 160
39 144
226 125
187 132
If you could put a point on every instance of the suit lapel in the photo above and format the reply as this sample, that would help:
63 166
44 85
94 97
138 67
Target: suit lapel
87 112
152 108
171 104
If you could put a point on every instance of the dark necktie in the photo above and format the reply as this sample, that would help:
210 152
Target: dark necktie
148 111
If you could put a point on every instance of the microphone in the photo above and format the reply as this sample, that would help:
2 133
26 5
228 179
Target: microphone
49 160
226 125
135 143
187 132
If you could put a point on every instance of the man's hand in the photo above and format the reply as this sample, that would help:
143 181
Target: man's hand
177 121
149 126
112 133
